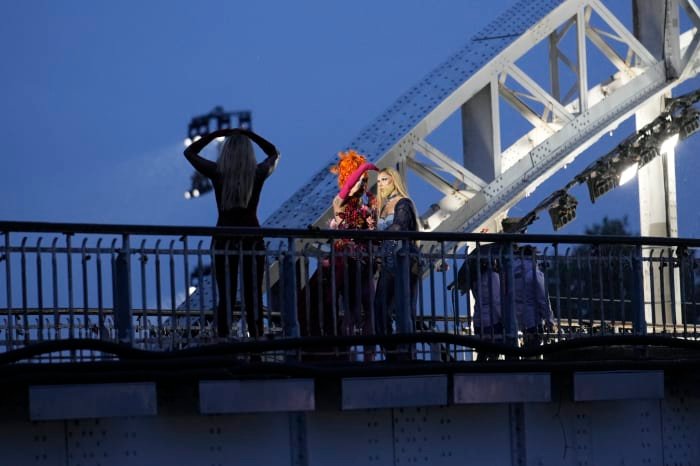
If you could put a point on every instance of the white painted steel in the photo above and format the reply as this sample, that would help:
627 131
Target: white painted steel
560 133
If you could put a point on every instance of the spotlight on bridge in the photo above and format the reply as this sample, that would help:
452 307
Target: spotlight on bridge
199 185
690 124
668 144
563 210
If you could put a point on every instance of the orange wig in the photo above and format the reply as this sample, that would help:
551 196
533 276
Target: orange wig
349 162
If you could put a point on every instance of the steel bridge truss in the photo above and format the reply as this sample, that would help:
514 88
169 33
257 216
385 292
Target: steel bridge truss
564 117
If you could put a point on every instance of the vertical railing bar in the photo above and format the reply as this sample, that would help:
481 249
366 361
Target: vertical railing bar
621 287
8 286
456 311
54 290
243 307
304 265
433 311
268 285
372 290
557 278
23 281
662 288
255 305
69 269
143 326
450 349
101 324
84 276
84 257
681 255
569 302
40 291
174 326
653 290
159 294
200 288
672 288
581 291
334 291
589 294
188 309
320 293
477 288
602 290
421 292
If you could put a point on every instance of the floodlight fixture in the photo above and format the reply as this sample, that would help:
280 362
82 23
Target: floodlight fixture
563 210
200 185
668 144
627 173
690 124
647 154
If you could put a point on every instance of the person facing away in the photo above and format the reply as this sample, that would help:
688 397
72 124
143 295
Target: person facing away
396 212
532 308
237 179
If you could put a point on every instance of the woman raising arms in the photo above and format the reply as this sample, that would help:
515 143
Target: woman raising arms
238 180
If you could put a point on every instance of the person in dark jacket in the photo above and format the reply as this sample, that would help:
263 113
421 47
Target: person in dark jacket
238 180
396 212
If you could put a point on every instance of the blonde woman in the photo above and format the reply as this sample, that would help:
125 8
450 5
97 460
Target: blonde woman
396 212
238 180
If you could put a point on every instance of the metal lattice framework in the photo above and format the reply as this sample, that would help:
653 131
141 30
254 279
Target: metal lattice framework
565 117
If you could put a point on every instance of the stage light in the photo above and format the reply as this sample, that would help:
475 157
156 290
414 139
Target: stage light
195 192
627 173
244 120
647 155
188 141
187 195
196 138
599 184
690 124
563 210
668 145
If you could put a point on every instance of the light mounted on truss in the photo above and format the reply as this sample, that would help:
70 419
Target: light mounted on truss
202 125
563 210
678 122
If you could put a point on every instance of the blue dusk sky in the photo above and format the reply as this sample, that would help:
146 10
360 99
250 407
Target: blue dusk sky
97 95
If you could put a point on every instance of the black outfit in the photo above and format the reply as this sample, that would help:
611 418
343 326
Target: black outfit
227 265
389 284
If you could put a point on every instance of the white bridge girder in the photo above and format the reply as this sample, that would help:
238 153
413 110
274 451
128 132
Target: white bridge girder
480 185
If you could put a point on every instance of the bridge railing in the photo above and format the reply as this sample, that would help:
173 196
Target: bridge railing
455 296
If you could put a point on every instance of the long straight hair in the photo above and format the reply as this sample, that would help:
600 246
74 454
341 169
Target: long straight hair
236 165
400 186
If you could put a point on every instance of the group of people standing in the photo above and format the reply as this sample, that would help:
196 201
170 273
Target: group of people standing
507 281
367 279
238 179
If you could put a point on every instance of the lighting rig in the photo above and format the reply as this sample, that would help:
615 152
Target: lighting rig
677 122
204 124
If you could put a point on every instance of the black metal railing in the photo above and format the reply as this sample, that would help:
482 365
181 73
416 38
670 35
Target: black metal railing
365 296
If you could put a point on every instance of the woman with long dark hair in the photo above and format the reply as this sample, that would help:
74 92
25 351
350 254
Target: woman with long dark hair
237 179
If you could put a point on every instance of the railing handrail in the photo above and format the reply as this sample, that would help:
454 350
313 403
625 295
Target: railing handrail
125 229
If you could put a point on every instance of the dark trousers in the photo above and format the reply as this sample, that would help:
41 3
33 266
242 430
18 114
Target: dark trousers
389 288
227 268
350 284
